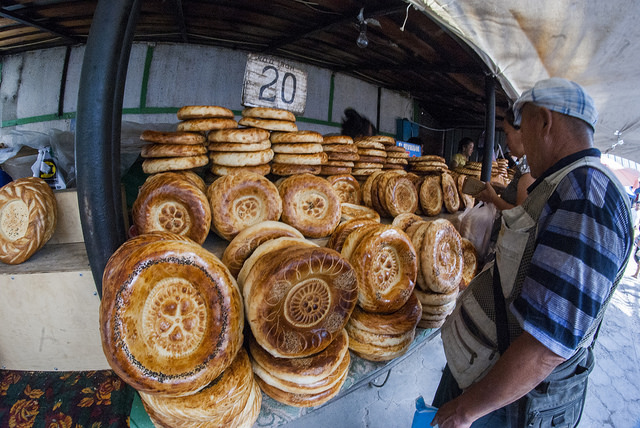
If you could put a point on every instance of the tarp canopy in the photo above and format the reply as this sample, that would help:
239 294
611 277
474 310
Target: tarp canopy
592 42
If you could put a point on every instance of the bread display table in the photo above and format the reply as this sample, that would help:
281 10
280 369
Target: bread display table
273 413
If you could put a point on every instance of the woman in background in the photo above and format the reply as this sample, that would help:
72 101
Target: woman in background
354 125
465 149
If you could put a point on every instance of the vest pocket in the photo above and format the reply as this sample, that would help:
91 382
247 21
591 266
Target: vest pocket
469 356
517 225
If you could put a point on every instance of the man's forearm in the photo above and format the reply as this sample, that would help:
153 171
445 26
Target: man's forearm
522 367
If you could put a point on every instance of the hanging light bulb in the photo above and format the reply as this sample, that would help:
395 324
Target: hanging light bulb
362 40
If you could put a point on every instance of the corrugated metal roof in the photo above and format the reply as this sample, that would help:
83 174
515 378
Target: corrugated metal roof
406 52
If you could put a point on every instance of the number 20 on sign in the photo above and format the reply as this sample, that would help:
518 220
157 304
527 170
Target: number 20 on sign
272 82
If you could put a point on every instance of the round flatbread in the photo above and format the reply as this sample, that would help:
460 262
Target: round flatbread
202 112
240 147
269 124
327 170
242 200
337 139
300 159
28 218
404 220
204 125
172 137
385 263
441 257
386 140
340 148
470 262
245 242
310 204
342 156
400 195
347 164
239 135
298 299
172 150
170 202
431 195
346 186
364 144
156 165
450 195
269 113
296 137
283 169
241 158
174 325
297 148
227 170
340 234
350 211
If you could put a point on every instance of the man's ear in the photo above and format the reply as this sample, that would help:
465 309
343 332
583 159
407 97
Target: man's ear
546 118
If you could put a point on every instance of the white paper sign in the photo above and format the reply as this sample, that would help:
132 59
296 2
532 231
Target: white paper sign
272 82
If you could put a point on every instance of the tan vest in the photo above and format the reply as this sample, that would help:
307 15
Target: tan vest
469 334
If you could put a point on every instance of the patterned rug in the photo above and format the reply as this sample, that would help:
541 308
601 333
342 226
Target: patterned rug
92 399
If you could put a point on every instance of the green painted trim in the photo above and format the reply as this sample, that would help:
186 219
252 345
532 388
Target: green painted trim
332 86
150 110
145 77
36 119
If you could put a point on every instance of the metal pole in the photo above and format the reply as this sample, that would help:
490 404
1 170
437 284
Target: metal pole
99 113
490 126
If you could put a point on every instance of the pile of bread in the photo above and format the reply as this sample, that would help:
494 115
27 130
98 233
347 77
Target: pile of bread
28 218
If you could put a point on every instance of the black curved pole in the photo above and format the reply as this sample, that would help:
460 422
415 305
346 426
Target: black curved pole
98 114
490 126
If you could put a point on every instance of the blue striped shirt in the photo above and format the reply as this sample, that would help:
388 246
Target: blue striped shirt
582 243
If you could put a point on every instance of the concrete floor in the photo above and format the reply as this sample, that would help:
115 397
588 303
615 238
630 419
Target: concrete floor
613 399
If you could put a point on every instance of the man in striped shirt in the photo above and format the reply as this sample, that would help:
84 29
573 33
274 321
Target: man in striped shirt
582 242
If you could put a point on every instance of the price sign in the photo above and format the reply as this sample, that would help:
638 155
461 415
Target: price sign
272 82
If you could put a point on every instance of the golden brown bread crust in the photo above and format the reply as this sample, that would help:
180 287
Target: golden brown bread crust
340 148
245 242
399 322
170 202
347 188
269 124
172 150
431 195
328 170
366 189
441 257
172 319
241 158
240 135
339 235
301 400
28 218
328 382
239 147
172 137
228 170
385 263
354 237
296 137
417 237
310 205
337 139
269 113
201 112
241 200
470 262
404 220
466 200
156 165
304 370
301 159
297 148
298 299
285 170
220 402
209 124
400 195
372 352
429 298
450 193
385 140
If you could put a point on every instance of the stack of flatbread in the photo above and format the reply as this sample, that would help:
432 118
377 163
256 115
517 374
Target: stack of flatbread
397 157
472 169
205 118
440 268
341 154
172 151
383 324
427 164
232 400
271 119
437 191
297 152
240 149
390 193
305 381
372 157
298 297
499 172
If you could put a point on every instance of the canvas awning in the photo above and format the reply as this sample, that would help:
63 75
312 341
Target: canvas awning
591 42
